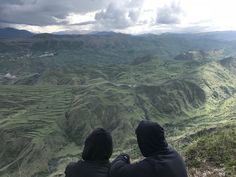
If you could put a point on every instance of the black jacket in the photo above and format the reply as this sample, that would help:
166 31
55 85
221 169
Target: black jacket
87 169
97 151
161 160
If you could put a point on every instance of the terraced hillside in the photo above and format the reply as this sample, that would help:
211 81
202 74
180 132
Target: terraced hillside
29 129
51 99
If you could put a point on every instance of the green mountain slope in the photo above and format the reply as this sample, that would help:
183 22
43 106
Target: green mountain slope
28 131
55 89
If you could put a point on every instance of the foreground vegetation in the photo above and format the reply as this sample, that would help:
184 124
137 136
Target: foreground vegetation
216 149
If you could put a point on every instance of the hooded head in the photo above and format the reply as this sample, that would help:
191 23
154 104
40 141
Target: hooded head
98 146
151 138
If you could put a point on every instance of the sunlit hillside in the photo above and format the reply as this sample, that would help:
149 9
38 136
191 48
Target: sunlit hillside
55 89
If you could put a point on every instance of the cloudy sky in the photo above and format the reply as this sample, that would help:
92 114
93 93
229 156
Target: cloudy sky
127 16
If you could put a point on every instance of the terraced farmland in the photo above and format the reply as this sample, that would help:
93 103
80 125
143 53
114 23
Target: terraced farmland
29 118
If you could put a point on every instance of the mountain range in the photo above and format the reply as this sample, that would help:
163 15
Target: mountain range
14 33
55 89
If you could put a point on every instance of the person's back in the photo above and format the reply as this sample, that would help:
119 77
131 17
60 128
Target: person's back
96 154
167 164
87 169
161 160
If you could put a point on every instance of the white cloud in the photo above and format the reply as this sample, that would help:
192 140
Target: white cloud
74 18
117 16
169 14
129 16
217 15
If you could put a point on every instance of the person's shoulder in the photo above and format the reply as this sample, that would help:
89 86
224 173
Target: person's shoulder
176 155
72 166
142 163
173 151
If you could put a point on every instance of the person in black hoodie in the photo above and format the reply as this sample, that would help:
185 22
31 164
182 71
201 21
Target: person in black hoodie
96 153
161 160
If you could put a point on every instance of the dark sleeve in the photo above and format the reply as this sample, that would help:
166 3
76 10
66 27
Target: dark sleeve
121 167
69 172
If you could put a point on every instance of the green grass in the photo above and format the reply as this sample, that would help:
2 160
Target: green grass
216 148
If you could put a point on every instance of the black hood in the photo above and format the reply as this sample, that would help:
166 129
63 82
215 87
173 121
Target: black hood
151 138
98 146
